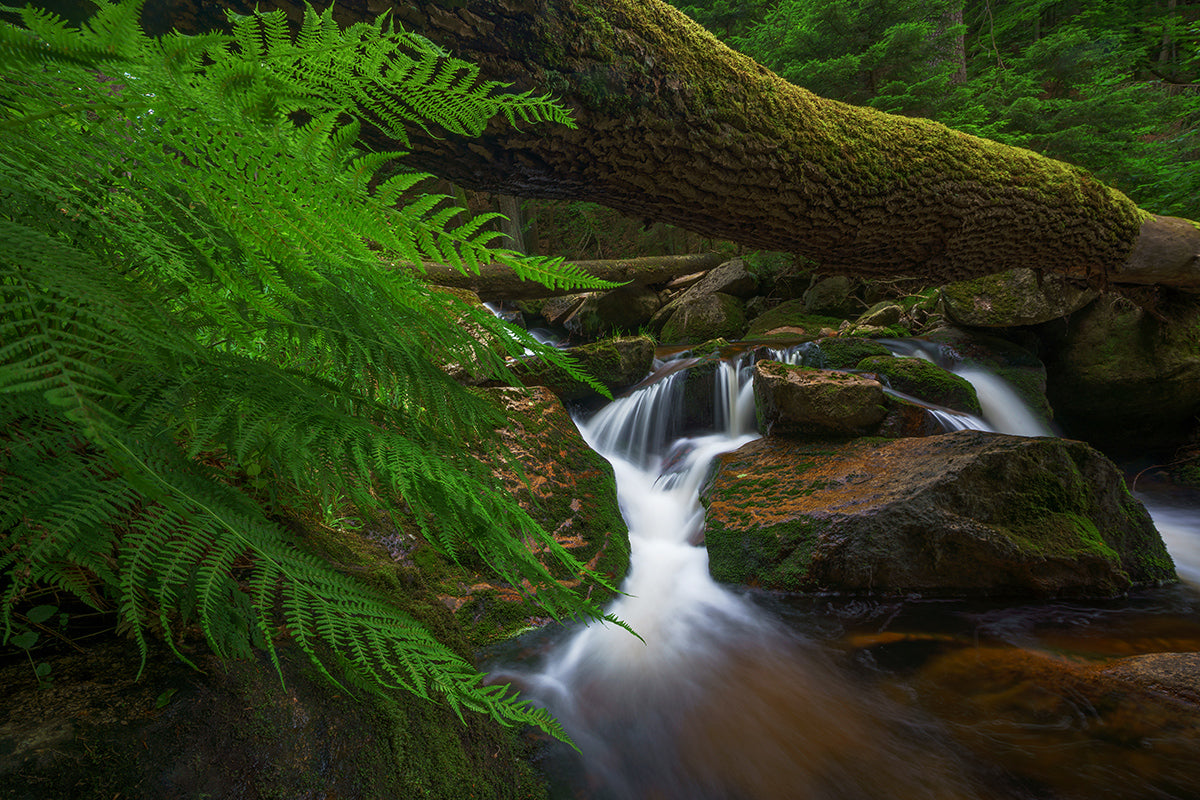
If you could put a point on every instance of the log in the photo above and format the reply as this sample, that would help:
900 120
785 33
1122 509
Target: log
675 126
497 282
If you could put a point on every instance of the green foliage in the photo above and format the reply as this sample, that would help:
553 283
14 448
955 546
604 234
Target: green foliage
199 335
885 53
1110 85
725 18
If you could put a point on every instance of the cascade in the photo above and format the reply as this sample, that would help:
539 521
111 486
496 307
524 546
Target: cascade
651 714
1003 409
716 698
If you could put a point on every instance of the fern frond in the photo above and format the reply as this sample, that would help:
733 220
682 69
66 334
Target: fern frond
192 285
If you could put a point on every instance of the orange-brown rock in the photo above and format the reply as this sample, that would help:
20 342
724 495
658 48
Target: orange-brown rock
958 514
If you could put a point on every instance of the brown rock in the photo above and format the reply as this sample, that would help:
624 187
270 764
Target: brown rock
959 514
795 400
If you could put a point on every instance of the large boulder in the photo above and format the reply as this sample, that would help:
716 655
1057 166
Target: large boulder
700 317
617 363
790 320
732 278
1123 379
1013 298
801 401
622 310
832 297
960 514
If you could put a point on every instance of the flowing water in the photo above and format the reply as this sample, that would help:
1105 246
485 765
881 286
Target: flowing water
736 696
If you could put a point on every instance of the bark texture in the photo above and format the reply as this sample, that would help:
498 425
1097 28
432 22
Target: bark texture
674 126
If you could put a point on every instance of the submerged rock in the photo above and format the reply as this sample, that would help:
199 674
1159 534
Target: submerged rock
1075 730
793 400
960 514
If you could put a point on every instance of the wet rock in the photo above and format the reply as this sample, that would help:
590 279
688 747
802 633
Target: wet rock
1122 379
699 318
960 514
1073 730
907 419
924 380
793 400
617 363
1014 298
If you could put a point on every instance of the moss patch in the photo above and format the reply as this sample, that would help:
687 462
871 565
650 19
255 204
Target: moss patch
926 381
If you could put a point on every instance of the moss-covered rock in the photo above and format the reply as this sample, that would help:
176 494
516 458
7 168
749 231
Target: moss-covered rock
961 514
801 401
1123 379
1013 298
704 317
617 363
99 731
926 381
833 297
791 320
1016 365
569 489
844 352
622 310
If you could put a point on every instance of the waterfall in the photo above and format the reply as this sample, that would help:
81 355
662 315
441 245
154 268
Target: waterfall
1004 411
714 698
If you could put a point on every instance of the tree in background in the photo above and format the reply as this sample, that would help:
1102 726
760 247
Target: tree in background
1111 86
895 55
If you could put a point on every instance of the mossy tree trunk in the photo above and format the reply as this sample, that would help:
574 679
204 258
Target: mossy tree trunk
676 127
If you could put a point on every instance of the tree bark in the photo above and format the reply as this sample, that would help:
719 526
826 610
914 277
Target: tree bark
496 282
674 126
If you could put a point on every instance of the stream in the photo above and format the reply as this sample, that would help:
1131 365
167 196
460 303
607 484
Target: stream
733 694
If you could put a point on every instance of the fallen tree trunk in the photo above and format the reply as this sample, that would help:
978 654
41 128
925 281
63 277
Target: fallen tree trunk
675 126
497 282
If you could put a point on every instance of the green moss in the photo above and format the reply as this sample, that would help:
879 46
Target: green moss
773 557
846 351
926 381
790 314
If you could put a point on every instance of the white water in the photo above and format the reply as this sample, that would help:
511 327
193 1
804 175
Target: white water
715 701
1003 409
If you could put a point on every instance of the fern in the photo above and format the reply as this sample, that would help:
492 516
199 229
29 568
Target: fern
192 279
